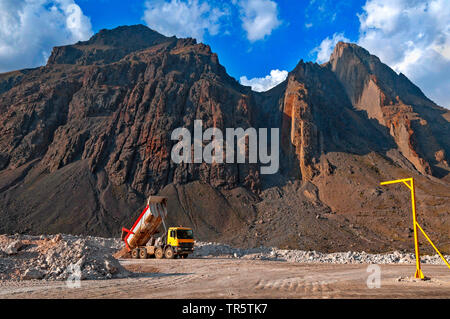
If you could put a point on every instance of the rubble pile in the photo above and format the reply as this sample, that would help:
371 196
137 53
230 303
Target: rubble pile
207 249
58 257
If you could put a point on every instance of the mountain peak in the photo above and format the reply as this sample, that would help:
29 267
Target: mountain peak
346 49
108 45
393 101
355 66
125 36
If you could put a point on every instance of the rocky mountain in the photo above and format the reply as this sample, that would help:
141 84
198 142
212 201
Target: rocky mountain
418 126
87 137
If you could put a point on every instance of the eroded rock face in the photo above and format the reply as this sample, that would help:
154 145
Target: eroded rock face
394 102
121 118
300 139
319 118
86 138
92 128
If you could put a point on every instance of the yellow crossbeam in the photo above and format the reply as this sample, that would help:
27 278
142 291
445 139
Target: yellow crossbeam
397 181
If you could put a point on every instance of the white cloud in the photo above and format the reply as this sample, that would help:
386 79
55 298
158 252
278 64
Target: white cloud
412 37
195 18
191 18
30 28
259 18
326 47
265 83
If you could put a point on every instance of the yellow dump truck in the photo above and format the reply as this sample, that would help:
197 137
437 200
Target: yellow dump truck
140 241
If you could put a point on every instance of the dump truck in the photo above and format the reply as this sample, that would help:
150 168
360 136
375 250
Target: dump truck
140 240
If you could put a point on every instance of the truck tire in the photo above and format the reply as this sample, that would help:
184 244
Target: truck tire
159 254
135 253
169 254
143 253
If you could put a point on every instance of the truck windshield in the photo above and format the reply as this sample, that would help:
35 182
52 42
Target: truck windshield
185 234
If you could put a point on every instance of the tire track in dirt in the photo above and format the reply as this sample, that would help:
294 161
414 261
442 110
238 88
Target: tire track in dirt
219 278
295 286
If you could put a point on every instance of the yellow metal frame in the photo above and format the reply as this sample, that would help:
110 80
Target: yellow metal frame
409 182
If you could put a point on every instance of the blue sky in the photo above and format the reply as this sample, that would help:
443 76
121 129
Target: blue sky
257 41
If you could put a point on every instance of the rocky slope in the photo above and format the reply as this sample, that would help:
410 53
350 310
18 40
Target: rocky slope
86 138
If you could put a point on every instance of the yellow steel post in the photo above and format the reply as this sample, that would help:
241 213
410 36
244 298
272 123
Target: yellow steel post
418 273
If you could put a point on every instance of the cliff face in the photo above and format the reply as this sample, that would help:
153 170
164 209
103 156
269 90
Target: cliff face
86 138
318 118
419 127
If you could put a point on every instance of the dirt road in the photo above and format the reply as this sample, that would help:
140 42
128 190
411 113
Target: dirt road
235 278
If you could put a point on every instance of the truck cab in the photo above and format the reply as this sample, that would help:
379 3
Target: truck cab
181 240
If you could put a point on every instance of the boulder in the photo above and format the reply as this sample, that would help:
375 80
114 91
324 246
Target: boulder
13 248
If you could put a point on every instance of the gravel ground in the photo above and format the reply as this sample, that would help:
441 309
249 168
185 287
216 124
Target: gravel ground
57 257
239 278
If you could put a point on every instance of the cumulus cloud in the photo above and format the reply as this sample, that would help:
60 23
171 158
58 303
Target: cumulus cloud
259 18
30 28
196 18
412 37
324 50
191 18
266 83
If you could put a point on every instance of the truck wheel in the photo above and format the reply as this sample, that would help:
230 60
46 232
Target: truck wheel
169 254
135 253
143 253
159 254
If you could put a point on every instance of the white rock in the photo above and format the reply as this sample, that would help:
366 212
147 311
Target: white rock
13 247
111 267
33 274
